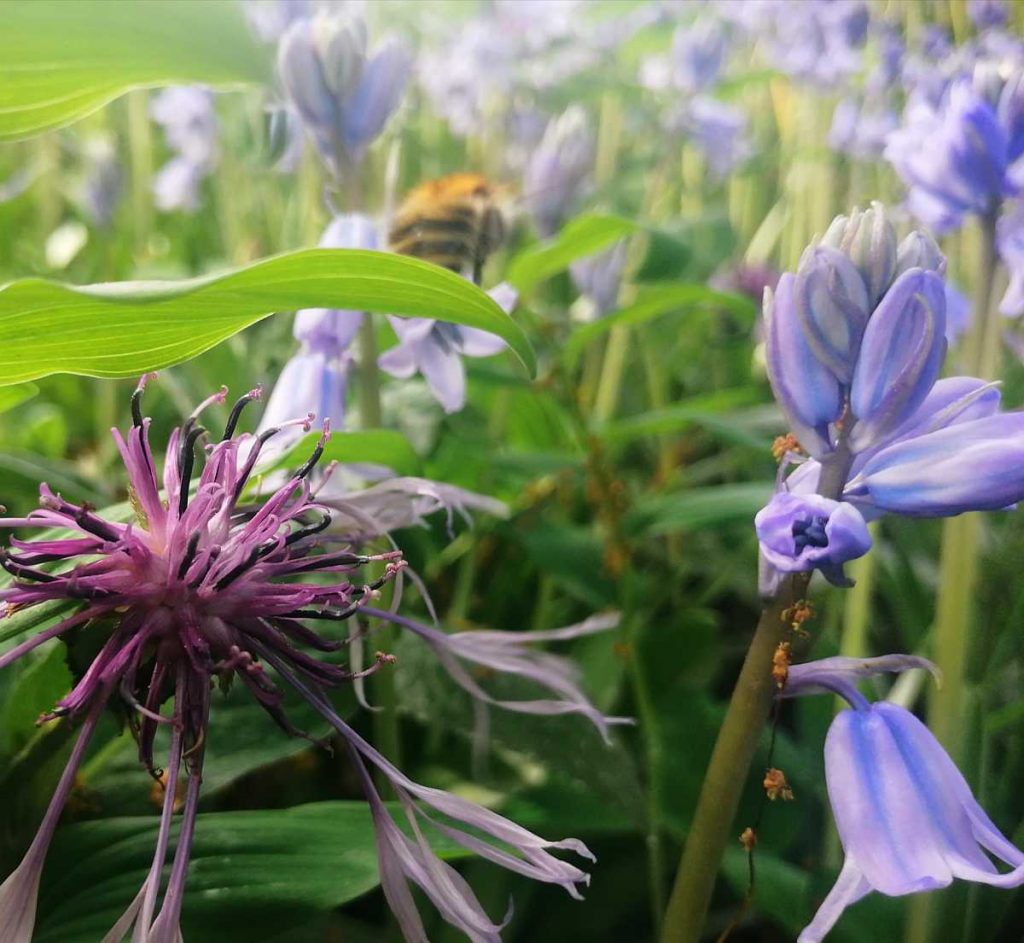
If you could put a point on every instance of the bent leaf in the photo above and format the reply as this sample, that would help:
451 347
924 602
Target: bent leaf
122 329
582 237
60 61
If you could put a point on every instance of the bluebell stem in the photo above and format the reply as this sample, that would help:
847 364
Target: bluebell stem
559 170
209 583
905 815
344 96
315 380
435 349
192 131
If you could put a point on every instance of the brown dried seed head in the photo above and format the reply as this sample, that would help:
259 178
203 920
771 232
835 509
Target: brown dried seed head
776 787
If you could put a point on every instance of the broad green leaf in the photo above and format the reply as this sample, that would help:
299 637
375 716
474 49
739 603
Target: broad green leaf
260 870
13 396
123 329
582 237
698 507
373 446
652 303
61 60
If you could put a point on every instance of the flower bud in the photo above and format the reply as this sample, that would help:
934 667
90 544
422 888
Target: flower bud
919 250
900 356
340 45
868 239
833 308
808 392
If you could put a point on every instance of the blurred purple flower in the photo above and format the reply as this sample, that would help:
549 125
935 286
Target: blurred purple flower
718 131
315 379
192 131
270 18
1010 242
435 349
808 532
822 44
988 14
344 96
558 170
103 183
861 129
906 817
956 158
746 278
958 313
598 278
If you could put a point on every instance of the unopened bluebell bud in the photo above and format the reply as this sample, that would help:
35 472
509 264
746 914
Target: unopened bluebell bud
901 354
919 250
868 239
833 308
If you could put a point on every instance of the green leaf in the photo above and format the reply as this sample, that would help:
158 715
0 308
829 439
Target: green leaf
60 61
710 409
698 507
261 869
654 302
374 446
123 329
582 237
12 396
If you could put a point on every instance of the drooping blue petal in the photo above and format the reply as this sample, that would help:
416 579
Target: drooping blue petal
969 466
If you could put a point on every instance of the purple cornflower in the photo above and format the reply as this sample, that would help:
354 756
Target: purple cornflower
854 344
344 96
315 380
190 124
435 349
559 170
905 815
208 583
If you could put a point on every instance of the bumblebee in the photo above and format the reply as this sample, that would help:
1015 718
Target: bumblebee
455 222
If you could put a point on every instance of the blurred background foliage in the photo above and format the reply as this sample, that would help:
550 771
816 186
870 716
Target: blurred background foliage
633 465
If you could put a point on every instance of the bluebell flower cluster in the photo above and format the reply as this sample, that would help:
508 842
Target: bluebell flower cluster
343 94
905 815
855 340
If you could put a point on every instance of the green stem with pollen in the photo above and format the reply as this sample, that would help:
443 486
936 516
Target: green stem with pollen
959 565
737 741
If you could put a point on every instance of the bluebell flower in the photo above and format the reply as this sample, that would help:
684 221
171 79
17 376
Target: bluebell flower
956 157
1010 242
435 350
344 96
103 183
906 817
270 18
559 170
719 131
988 14
798 533
598 278
192 131
861 129
315 379
697 55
